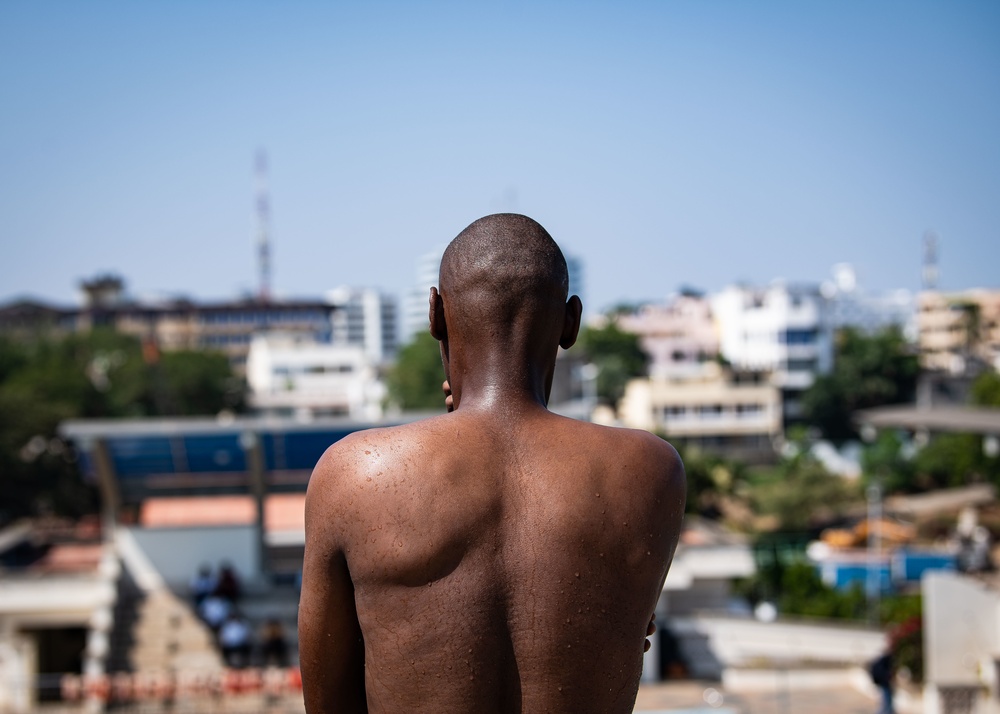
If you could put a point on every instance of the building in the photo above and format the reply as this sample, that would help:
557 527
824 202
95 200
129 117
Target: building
57 595
784 330
955 330
679 336
961 622
428 267
294 375
852 306
175 324
415 306
365 318
739 415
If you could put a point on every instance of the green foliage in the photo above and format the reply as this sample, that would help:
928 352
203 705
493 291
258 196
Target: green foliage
415 380
985 390
196 383
869 371
97 374
954 460
710 480
803 493
885 463
797 590
804 593
618 358
903 616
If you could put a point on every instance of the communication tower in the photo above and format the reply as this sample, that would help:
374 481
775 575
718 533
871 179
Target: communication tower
930 272
263 237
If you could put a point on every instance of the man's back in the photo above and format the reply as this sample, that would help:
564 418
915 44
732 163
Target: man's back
498 558
502 563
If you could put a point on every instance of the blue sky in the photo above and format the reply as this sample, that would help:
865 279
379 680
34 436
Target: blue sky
665 143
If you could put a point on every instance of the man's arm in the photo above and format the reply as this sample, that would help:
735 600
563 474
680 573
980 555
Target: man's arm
331 646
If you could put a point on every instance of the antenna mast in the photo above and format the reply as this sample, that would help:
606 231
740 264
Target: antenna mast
263 238
930 273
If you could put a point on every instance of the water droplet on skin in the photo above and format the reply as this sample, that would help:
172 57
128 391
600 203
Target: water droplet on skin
598 495
577 574
567 620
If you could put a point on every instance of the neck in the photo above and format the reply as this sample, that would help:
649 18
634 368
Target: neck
499 379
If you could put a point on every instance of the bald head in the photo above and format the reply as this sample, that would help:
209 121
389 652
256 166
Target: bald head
502 268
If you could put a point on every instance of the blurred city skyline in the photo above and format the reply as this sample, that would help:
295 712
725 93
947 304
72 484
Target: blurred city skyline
664 144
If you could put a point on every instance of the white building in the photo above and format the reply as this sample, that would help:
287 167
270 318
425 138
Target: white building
56 613
852 306
781 329
290 374
365 318
415 306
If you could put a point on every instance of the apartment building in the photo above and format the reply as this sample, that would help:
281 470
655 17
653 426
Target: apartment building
366 318
679 336
957 328
784 330
717 410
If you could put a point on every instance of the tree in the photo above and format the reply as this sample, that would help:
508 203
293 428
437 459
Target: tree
415 380
803 493
100 373
986 390
868 371
618 357
711 481
885 462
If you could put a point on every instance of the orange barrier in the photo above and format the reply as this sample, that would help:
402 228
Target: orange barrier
124 687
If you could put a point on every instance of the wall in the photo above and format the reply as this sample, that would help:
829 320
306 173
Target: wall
961 631
176 553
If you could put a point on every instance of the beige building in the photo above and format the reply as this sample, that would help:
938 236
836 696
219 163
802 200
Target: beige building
716 410
954 327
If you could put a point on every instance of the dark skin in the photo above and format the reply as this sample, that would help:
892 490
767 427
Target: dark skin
498 558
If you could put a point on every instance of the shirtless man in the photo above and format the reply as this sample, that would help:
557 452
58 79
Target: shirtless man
497 558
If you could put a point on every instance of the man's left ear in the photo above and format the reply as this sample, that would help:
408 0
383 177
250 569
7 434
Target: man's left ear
571 323
435 316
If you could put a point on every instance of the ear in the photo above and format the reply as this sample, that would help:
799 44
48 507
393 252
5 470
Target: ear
571 323
439 331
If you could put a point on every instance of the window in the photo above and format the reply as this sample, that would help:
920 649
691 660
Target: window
801 365
798 337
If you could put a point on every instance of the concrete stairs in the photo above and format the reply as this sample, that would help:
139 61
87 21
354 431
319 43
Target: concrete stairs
159 632
168 636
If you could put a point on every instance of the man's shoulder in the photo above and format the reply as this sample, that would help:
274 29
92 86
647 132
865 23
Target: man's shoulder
359 450
634 442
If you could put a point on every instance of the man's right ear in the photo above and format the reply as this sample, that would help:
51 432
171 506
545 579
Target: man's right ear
571 323
439 331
